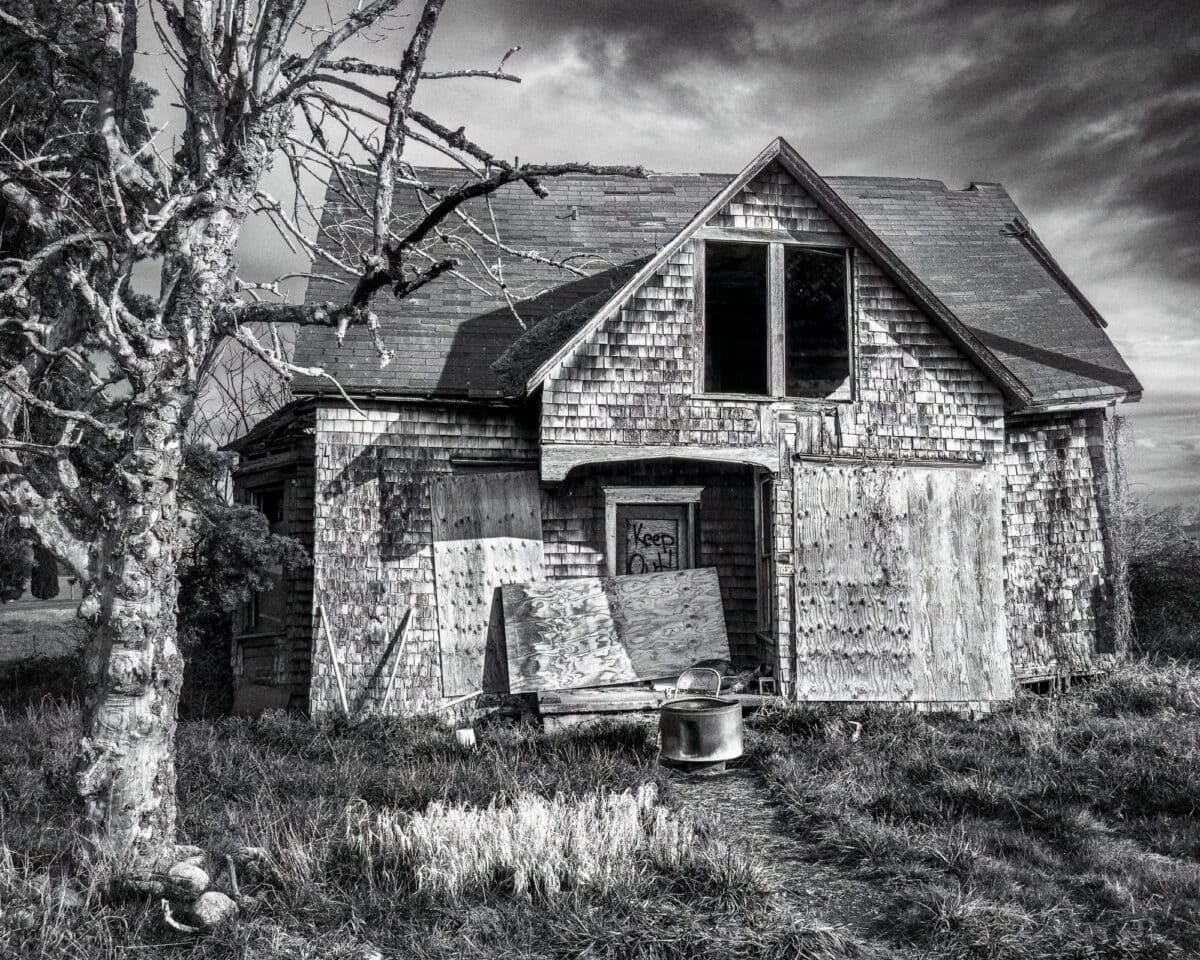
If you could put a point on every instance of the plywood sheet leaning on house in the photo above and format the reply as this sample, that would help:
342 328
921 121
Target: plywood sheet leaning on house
899 590
593 631
487 531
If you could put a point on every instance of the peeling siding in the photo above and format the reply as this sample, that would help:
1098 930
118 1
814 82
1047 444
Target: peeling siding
1058 581
373 552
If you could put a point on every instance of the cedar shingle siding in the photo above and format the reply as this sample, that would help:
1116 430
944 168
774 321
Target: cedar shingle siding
629 383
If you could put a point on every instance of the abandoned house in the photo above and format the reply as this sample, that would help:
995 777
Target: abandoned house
873 412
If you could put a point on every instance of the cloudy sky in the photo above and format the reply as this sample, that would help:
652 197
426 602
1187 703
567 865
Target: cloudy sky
1088 112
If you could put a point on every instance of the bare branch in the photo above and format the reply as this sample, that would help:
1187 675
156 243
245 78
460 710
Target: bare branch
356 22
354 65
401 102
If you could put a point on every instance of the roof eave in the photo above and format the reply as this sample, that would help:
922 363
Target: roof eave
1082 403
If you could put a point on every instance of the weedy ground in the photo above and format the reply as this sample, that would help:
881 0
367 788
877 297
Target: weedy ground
1059 828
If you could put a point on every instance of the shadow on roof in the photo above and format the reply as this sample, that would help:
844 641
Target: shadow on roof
493 346
1102 376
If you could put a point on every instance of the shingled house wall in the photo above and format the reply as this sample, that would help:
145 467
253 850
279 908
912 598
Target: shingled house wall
1058 575
373 554
915 395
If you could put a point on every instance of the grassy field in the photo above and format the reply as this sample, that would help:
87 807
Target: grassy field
1061 828
40 630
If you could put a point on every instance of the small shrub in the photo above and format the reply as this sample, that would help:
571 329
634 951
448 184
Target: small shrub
16 558
28 682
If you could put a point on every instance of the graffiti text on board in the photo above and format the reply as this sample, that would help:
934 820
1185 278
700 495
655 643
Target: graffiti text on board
651 546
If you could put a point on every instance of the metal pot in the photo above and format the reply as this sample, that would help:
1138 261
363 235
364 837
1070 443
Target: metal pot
700 730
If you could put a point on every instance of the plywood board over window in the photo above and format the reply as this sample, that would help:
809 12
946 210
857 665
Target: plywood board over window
899 584
487 531
650 529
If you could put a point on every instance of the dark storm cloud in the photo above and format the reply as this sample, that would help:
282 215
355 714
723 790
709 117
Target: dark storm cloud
1090 102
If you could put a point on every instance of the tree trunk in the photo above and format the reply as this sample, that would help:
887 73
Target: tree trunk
126 764
125 770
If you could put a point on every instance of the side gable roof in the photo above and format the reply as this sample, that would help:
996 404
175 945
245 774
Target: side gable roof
446 336
964 256
975 253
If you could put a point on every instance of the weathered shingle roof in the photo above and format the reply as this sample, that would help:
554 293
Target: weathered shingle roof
446 337
960 244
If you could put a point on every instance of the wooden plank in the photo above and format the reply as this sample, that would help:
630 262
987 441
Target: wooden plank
594 631
851 610
487 531
958 569
899 590
331 646
698 314
780 235
776 286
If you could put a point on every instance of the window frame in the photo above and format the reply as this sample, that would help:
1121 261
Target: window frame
614 497
764 553
776 241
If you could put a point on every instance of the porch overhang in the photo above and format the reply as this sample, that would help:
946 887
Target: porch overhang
559 459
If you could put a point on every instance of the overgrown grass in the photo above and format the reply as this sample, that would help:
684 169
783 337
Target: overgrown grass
389 834
1062 828
1057 829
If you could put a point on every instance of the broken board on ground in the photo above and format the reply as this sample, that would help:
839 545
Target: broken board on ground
593 631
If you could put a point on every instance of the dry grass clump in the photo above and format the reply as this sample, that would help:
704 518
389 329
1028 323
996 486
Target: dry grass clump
539 848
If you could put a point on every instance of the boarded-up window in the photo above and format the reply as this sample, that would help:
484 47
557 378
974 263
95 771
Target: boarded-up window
650 529
735 318
654 538
487 531
818 343
899 584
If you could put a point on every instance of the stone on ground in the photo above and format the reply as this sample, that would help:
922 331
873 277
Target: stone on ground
213 909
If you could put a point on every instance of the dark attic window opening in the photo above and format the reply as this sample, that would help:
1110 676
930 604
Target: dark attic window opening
735 318
817 333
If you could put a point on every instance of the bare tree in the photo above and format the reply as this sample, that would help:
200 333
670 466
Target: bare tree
238 392
91 466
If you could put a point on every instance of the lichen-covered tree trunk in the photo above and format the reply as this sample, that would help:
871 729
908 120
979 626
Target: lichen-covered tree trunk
126 765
